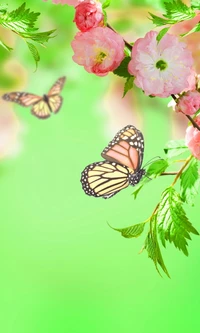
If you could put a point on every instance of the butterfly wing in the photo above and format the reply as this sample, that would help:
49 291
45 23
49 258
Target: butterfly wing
22 98
104 179
57 87
126 148
41 110
55 103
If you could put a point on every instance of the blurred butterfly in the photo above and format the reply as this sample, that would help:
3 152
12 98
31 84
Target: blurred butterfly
41 106
122 166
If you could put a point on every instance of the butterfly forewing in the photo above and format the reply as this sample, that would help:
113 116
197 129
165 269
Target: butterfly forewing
22 98
104 179
57 87
126 148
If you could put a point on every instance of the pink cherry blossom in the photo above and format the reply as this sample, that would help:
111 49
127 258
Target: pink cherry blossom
189 103
161 68
88 15
192 139
100 50
68 2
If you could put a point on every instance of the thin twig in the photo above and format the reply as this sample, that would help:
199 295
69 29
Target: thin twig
126 43
181 170
169 173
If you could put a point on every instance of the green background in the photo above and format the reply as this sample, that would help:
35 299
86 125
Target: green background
63 269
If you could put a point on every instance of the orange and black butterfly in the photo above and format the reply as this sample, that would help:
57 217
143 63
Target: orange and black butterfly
121 167
42 107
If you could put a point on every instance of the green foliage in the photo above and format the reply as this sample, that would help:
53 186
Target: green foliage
132 231
175 147
195 4
195 29
22 22
190 181
8 48
175 12
173 224
128 85
161 34
151 245
157 167
122 70
106 4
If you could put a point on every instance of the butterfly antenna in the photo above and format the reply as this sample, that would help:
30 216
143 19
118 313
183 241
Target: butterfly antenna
156 158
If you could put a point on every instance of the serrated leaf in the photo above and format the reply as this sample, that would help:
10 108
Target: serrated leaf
195 4
3 9
40 37
132 231
173 224
122 70
177 10
159 21
106 4
34 53
190 182
152 247
128 85
157 167
162 34
175 148
8 48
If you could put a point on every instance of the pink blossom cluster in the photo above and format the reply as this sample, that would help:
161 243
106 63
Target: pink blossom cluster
96 47
192 138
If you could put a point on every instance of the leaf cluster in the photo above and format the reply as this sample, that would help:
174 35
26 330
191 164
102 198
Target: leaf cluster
22 22
168 222
175 11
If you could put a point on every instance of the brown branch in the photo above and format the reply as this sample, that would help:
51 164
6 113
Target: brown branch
169 173
181 170
126 43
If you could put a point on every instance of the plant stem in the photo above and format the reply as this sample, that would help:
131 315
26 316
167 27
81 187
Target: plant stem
181 170
172 173
126 43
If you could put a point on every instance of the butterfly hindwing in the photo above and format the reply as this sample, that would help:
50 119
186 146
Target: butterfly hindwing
104 179
41 110
126 148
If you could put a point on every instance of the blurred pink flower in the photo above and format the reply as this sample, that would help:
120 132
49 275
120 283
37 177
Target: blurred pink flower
88 15
68 2
163 68
99 50
189 103
192 139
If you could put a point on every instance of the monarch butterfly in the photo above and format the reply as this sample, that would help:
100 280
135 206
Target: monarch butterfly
122 166
41 106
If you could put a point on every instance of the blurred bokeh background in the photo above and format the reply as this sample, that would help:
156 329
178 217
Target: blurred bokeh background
63 269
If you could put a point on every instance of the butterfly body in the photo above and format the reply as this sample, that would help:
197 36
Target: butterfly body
121 168
42 107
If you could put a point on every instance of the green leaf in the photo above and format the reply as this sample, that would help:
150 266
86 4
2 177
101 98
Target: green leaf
157 167
34 52
159 21
3 9
173 224
8 48
122 70
178 11
162 34
175 148
139 186
106 4
22 22
190 182
195 4
132 231
128 85
152 246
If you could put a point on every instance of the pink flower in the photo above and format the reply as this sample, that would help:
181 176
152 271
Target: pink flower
88 15
99 50
189 103
68 2
163 68
192 139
